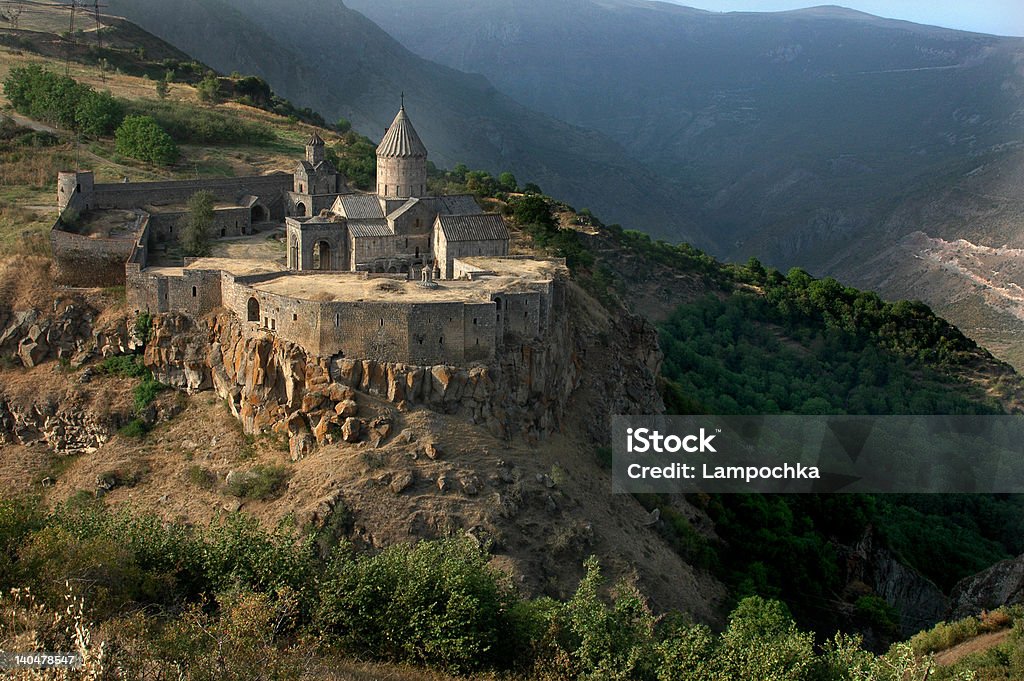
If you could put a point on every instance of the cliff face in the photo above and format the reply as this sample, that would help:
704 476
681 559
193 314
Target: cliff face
531 391
918 600
51 403
1001 584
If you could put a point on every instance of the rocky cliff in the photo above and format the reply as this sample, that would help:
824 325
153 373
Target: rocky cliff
588 358
1001 584
58 410
919 602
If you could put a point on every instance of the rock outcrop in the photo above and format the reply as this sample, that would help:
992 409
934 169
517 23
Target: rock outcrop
1001 584
919 602
64 426
272 384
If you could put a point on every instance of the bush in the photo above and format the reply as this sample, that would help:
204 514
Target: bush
98 114
187 124
435 603
126 366
136 428
144 393
140 137
259 482
201 477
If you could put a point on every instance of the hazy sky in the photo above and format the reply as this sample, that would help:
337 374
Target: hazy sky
1002 17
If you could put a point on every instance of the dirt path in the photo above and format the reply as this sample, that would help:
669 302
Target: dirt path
976 644
31 124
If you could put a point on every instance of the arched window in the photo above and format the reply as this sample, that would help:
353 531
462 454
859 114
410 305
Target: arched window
253 310
195 292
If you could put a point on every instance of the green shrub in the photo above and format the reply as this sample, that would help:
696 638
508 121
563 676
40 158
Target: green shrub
136 428
259 482
435 603
145 392
142 138
187 124
195 234
201 477
128 366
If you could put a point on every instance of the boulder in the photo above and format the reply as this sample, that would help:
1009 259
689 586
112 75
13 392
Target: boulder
351 429
346 408
402 481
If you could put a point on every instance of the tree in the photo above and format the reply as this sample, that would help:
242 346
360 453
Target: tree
531 188
195 239
208 88
162 89
343 125
98 113
142 138
507 181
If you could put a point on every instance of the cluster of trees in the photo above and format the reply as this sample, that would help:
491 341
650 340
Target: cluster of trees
62 101
535 215
795 344
217 600
814 346
355 156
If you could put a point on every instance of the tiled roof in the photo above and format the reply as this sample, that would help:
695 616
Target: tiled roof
359 206
482 227
401 140
358 228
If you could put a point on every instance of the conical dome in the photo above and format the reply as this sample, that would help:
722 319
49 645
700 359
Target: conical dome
315 140
401 140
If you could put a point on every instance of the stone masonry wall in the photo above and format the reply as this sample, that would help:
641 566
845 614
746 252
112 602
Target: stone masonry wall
135 194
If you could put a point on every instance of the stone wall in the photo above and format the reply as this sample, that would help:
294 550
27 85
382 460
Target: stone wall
303 236
134 194
587 368
86 261
450 250
228 221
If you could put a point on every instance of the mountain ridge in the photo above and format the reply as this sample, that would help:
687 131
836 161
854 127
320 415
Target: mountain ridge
461 116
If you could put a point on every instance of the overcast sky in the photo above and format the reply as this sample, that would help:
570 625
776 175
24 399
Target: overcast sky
1002 17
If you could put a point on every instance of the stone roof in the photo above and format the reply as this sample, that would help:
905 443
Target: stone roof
315 140
401 140
480 227
456 204
359 207
401 210
364 228
322 166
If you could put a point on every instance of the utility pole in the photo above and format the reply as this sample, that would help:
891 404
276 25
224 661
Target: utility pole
71 38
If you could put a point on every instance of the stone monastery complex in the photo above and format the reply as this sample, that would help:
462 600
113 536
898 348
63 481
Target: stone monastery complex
392 276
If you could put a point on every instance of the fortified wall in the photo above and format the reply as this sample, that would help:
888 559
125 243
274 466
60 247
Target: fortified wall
89 259
383 318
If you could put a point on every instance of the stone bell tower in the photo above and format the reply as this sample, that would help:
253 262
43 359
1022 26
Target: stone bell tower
401 161
315 148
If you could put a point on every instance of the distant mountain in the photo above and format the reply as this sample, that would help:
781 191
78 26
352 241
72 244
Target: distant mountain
805 123
824 138
321 54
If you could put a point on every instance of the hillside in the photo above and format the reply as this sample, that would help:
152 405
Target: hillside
167 480
328 57
824 138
